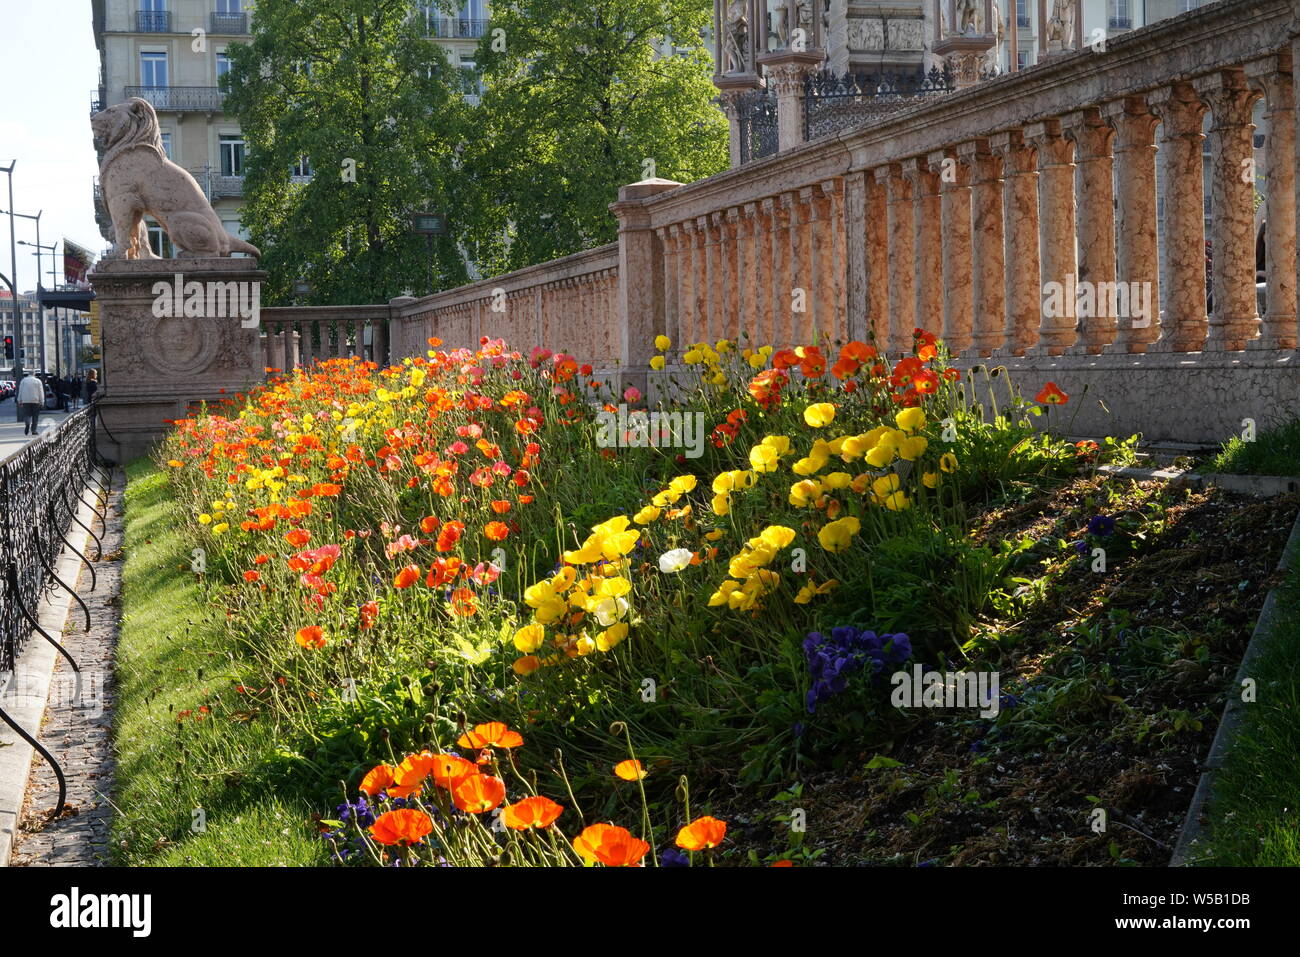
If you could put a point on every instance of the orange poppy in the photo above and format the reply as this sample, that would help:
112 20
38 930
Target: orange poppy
450 535
252 576
313 636
298 537
500 506
496 531
401 827
538 812
477 793
463 603
1051 395
611 845
449 769
428 524
407 577
630 770
379 778
493 734
701 834
369 612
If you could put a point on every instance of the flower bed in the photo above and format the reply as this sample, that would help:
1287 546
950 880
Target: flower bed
516 621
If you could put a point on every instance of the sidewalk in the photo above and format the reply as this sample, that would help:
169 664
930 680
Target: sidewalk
11 430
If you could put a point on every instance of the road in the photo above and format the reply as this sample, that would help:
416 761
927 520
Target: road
11 431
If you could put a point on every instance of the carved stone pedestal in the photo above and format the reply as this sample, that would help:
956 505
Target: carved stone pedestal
966 55
159 359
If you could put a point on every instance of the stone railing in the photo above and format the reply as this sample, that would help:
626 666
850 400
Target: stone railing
984 217
293 336
570 303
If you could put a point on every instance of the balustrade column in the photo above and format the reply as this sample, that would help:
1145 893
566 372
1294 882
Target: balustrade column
737 295
1020 219
1137 254
722 268
760 263
1272 77
822 272
779 208
1183 320
690 277
1056 333
876 221
855 236
801 273
988 263
927 224
1092 138
958 293
1235 317
708 271
668 245
902 288
837 325
751 290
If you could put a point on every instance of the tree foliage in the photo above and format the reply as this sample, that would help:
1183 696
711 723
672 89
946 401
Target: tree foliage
582 97
353 85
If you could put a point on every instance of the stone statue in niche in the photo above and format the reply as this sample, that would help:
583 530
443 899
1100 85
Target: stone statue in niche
1060 26
736 37
999 30
779 29
137 178
968 18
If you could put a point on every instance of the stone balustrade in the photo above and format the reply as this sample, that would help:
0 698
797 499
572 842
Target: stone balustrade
1018 218
294 336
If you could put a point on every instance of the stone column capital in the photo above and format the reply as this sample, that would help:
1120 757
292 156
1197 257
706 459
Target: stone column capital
1179 108
1052 146
1271 77
1019 158
919 173
1091 133
1229 96
1133 122
953 173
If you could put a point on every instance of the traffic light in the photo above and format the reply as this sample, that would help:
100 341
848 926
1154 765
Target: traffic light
9 347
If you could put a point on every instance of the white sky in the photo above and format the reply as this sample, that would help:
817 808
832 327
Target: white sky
48 68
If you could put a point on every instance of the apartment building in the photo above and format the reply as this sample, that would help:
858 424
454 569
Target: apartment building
32 331
149 49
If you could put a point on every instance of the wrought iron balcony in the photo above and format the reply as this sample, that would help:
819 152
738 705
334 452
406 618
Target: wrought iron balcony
227 186
96 101
444 28
153 21
179 99
236 23
1121 23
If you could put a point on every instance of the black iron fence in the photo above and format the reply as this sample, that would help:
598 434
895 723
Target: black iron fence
759 134
41 489
833 103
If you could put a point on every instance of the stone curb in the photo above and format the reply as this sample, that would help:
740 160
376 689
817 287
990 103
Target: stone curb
26 694
1258 485
1234 710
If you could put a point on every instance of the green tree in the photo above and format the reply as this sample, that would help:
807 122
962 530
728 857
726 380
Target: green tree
582 97
376 110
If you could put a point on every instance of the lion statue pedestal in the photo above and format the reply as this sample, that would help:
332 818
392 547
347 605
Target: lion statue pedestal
160 359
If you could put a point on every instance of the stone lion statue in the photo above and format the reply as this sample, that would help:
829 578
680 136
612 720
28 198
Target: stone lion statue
137 178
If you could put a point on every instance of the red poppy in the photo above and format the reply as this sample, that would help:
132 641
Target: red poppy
611 845
450 535
405 826
252 576
313 636
407 577
1051 395
701 834
369 612
429 524
493 734
477 793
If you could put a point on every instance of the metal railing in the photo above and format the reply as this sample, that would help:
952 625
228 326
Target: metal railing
833 103
178 99
1121 23
228 23
759 132
41 489
153 21
450 28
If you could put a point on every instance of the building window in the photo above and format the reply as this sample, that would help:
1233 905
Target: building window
230 6
1022 60
302 168
152 17
232 155
1120 16
153 69
471 82
223 65
167 144
159 241
1022 13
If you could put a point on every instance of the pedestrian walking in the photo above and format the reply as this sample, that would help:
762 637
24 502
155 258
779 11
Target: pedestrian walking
92 383
78 389
31 396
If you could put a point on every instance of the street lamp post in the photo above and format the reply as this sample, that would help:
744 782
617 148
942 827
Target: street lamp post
40 302
13 265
